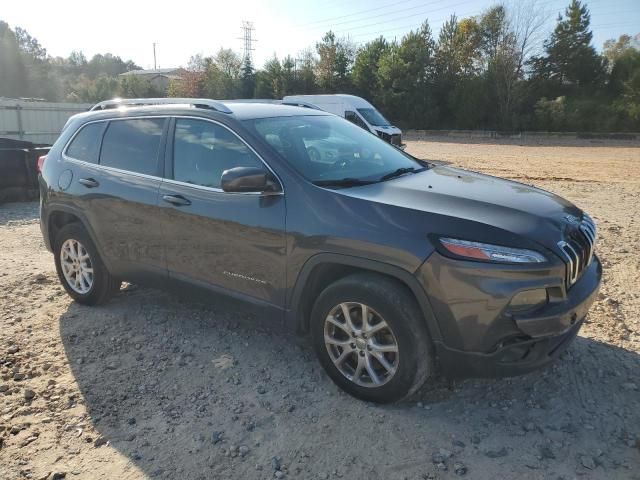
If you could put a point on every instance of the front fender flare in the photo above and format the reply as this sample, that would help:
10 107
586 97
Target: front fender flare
294 315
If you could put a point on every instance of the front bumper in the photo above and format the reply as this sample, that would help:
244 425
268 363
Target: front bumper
481 338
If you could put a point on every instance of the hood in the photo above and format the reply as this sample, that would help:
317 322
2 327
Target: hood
453 193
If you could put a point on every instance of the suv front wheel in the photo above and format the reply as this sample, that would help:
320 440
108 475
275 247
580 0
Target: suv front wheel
80 268
370 338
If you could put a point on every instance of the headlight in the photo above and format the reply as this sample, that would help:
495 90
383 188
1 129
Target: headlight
491 253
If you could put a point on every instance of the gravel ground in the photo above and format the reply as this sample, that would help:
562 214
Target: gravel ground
156 386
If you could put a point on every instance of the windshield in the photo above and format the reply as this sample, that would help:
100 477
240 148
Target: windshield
374 117
330 150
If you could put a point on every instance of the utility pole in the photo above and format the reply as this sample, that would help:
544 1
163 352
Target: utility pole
248 40
155 66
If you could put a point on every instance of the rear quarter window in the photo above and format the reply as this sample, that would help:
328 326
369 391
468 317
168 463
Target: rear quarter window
133 145
85 145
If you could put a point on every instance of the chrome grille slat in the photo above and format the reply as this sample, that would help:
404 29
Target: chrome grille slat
576 266
590 236
578 252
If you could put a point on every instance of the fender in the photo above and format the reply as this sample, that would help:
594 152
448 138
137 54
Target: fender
293 314
61 207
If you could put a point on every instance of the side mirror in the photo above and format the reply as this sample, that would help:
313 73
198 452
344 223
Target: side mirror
248 180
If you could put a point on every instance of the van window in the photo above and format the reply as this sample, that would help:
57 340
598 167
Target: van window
202 151
85 145
353 117
374 117
133 145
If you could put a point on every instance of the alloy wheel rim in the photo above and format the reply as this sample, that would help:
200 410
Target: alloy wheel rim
361 344
77 267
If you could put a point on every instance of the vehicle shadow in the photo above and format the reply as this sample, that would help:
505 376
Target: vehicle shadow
193 390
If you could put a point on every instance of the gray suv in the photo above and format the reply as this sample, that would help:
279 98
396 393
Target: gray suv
397 268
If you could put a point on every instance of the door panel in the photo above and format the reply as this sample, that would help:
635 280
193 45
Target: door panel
231 241
121 196
124 213
225 240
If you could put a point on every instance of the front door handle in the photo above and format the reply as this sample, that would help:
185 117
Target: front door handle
89 182
177 200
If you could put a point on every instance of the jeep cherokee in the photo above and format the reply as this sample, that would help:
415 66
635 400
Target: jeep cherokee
396 267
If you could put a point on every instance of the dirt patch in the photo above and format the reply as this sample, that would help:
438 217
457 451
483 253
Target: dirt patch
156 386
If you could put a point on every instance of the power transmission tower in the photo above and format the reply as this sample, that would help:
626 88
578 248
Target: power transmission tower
247 38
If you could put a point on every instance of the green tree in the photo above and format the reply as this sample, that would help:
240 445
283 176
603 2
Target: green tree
454 58
247 78
570 58
77 59
405 77
13 74
365 68
222 75
306 76
133 86
334 64
624 88
93 91
289 81
270 83
109 65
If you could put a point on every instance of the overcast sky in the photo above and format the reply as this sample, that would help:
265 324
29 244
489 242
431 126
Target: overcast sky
186 27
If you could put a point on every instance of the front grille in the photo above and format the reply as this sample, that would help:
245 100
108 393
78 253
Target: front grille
396 140
578 249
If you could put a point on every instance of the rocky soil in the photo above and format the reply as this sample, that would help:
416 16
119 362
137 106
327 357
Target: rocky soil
156 386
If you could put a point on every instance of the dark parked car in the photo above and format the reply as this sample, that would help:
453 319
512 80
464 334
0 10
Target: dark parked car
397 268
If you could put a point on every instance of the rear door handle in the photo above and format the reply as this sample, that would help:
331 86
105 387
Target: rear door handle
177 200
89 182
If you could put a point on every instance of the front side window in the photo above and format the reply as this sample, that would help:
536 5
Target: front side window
326 149
133 145
85 145
202 151
354 118
374 117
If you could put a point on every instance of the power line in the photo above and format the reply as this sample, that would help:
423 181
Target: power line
327 22
406 16
431 21
386 14
368 10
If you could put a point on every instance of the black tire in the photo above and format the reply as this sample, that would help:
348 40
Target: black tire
104 285
394 303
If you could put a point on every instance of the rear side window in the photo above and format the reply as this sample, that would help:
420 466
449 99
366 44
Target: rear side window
85 145
133 145
203 150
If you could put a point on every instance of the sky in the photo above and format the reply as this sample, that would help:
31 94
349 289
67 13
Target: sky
183 28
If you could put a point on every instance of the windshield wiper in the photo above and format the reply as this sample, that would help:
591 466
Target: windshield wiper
397 173
343 182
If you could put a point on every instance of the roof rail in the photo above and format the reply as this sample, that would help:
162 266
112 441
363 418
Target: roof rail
300 103
196 102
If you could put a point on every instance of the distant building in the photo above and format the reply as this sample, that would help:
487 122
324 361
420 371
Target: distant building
159 77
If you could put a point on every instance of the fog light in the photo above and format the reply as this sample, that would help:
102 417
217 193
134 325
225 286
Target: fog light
528 300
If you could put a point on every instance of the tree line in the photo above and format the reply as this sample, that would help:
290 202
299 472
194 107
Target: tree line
481 72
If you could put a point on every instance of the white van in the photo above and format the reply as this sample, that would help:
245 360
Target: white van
354 109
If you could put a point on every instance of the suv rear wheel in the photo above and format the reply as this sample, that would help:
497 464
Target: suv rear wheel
80 268
370 338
